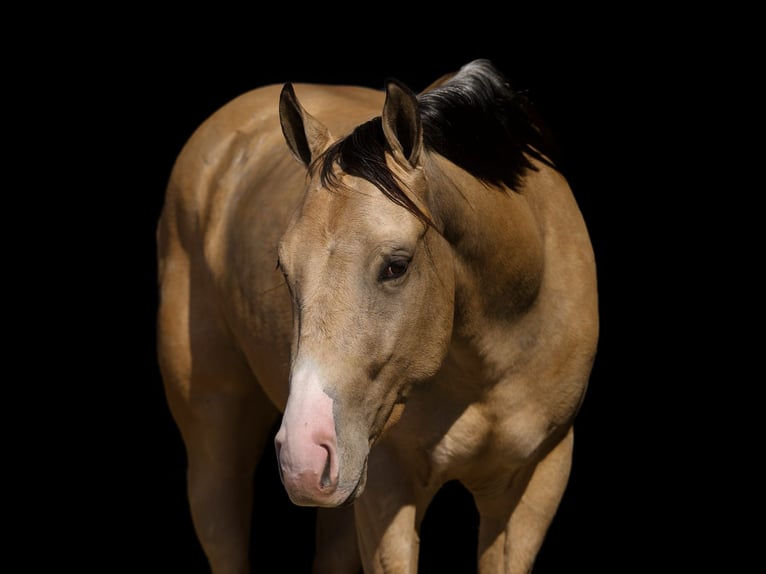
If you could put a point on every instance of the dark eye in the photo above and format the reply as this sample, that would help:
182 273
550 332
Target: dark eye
394 269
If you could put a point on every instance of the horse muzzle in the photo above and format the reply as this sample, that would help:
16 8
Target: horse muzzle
316 470
310 472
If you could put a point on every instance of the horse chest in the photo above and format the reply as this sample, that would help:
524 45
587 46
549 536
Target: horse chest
455 438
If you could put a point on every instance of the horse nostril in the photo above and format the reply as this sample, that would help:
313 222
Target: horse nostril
278 448
326 478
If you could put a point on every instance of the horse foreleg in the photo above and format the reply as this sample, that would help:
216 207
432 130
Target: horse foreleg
225 420
513 522
336 547
388 516
223 445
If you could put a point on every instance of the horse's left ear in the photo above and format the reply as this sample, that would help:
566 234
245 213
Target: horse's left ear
401 123
306 136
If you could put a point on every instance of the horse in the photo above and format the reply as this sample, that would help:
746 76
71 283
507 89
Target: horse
404 285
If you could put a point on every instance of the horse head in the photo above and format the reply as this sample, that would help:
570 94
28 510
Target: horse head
372 287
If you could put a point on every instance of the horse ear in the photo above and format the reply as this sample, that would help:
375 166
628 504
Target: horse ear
401 123
306 136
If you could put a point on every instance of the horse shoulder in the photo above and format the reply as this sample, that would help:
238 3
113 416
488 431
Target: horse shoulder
554 343
520 380
570 284
197 234
211 153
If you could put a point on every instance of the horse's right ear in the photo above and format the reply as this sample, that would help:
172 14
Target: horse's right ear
306 136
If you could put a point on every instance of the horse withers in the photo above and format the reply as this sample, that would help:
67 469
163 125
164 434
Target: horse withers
408 282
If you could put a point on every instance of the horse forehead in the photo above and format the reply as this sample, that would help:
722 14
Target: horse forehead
355 210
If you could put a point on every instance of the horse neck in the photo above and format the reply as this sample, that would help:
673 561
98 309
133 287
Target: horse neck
496 241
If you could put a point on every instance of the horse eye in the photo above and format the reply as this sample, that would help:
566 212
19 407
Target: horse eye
394 269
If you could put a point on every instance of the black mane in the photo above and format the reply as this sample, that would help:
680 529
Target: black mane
479 123
475 120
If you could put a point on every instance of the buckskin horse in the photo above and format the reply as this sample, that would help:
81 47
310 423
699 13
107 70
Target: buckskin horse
408 282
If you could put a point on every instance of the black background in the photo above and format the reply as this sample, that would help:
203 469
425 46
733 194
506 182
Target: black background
127 104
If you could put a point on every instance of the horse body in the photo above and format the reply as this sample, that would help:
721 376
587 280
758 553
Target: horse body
446 332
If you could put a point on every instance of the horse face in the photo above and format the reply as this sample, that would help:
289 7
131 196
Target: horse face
373 293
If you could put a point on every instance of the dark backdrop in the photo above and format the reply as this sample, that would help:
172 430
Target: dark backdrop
137 105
